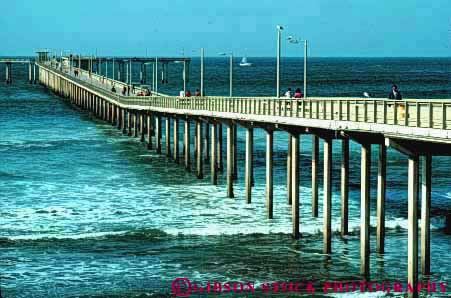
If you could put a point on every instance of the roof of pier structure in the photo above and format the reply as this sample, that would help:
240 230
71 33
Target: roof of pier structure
133 59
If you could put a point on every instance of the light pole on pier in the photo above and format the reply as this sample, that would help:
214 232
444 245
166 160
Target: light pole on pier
279 34
230 72
202 72
293 40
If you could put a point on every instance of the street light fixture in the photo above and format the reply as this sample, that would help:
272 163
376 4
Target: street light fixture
279 33
294 40
230 71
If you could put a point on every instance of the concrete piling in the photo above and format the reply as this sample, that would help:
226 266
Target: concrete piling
213 161
381 181
365 210
230 143
295 184
426 161
269 172
327 208
249 163
344 186
315 161
199 160
187 145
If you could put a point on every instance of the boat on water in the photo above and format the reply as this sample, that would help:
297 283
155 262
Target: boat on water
244 62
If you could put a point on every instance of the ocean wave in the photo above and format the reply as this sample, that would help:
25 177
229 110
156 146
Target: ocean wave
119 236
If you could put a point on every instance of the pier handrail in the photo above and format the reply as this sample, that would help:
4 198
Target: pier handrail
424 113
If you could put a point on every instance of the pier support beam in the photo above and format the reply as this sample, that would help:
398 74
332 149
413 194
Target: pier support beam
249 163
30 74
129 123
344 186
168 136
381 181
207 141
176 140
289 167
425 214
123 121
235 151
199 160
315 162
187 145
149 132
158 133
118 117
219 149
269 172
213 163
412 233
230 144
295 184
135 124
141 127
365 209
34 73
327 208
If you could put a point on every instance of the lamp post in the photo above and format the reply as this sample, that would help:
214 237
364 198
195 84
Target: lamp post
202 72
293 40
279 34
230 71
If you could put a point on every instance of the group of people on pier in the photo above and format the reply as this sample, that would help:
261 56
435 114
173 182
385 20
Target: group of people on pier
297 94
394 93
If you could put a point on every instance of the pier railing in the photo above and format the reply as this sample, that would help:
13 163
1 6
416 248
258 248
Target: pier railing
425 113
412 113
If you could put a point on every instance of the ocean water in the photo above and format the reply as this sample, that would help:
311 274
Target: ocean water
88 212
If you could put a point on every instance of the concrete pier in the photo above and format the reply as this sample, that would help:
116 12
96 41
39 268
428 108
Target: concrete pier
420 134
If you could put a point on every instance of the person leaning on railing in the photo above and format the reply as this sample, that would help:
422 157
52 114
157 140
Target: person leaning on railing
298 93
395 93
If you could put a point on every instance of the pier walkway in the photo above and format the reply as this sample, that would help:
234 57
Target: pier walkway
419 128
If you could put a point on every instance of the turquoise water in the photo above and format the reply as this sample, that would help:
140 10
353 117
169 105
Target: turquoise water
88 212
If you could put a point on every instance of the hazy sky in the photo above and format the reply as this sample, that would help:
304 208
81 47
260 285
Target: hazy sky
166 27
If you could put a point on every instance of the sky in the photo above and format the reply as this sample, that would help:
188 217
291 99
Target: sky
334 28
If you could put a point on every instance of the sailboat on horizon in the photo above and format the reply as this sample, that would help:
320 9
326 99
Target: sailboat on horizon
244 62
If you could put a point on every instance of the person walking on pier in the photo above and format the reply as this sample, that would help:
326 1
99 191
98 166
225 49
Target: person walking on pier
395 93
298 93
124 91
188 93
113 89
197 93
